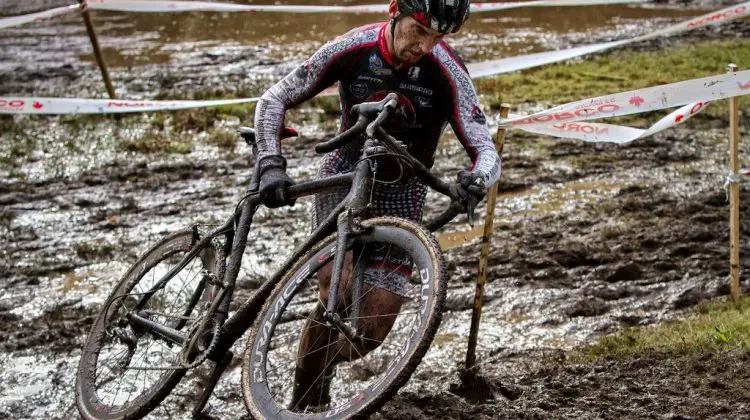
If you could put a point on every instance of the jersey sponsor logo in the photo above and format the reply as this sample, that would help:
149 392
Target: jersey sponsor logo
404 116
478 116
414 73
423 101
369 78
415 88
358 89
377 66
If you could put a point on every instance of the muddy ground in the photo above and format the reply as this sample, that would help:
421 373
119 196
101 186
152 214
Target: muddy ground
590 239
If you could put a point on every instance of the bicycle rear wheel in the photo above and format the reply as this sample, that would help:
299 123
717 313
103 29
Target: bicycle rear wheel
126 371
361 386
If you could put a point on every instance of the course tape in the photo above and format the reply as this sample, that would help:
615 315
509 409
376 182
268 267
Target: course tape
186 6
693 95
34 105
192 6
33 17
609 133
507 65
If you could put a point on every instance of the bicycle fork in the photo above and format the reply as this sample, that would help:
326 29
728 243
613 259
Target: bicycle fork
348 226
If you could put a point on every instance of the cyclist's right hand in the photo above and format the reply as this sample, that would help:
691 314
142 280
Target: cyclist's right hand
274 181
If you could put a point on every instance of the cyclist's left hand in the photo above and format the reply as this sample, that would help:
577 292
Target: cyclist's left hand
471 189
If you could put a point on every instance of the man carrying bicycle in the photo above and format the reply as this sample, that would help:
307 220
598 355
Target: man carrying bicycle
406 55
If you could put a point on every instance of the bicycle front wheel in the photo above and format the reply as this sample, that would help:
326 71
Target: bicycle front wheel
358 383
125 369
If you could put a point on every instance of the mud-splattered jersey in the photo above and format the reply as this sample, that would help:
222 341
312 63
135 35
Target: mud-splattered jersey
434 92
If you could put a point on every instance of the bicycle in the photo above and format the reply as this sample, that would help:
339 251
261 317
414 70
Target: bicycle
155 325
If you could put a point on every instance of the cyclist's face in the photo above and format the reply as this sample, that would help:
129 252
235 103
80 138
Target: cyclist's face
412 40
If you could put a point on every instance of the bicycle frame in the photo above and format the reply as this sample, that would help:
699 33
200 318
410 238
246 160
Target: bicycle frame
342 220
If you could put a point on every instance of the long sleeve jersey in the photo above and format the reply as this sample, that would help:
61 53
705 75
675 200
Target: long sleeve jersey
432 93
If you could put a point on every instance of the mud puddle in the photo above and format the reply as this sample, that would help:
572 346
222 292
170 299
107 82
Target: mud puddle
177 53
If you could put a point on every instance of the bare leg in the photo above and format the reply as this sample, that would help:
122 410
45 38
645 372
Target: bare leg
321 347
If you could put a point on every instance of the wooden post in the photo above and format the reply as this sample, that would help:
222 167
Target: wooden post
476 314
97 51
734 196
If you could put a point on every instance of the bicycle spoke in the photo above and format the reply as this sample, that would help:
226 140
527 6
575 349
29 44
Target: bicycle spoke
381 342
379 315
300 316
317 292
185 283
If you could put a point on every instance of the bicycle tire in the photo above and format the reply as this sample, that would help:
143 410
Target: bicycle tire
426 255
170 248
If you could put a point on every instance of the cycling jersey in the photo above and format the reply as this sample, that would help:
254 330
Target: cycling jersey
432 93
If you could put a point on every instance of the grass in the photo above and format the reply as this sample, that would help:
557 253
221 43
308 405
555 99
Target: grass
617 71
714 326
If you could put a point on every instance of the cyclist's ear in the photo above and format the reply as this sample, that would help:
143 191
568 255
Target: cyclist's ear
392 9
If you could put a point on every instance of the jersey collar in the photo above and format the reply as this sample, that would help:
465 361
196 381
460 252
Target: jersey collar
383 46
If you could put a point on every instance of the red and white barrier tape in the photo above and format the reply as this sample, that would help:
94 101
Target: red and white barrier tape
506 65
154 6
693 95
609 133
32 105
33 17
642 100
185 6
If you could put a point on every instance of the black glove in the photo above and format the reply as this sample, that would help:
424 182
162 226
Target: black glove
274 181
471 190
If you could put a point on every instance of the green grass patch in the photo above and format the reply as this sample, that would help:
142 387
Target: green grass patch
618 71
715 326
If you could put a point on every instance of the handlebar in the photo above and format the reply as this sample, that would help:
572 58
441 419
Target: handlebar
370 116
377 112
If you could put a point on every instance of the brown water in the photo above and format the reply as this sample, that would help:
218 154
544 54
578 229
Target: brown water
154 38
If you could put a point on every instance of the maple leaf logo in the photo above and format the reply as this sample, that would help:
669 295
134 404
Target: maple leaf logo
679 118
37 105
637 101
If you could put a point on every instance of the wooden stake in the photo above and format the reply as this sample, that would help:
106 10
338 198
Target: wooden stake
97 51
734 196
476 314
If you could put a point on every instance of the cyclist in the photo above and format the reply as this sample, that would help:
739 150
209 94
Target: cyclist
406 55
